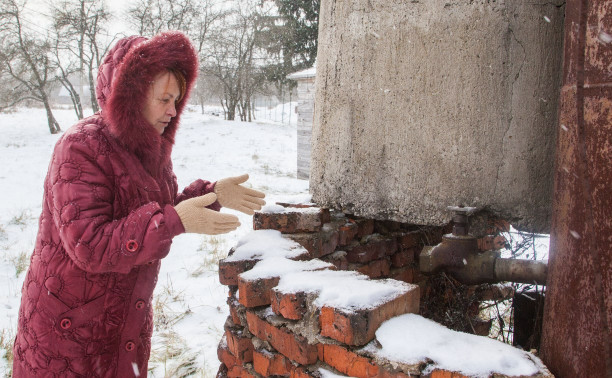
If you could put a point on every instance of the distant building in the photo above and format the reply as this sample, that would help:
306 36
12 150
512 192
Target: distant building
305 111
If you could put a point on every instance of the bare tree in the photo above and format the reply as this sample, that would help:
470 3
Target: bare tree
233 60
26 59
193 17
80 26
65 69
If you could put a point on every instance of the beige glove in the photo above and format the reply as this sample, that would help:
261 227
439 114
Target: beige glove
235 196
200 220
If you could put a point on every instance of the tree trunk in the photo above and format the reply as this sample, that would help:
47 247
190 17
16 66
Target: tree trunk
74 97
54 127
92 91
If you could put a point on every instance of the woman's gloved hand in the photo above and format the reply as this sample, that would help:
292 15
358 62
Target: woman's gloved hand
198 219
235 196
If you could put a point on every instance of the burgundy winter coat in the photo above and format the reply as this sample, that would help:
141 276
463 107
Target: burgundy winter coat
107 221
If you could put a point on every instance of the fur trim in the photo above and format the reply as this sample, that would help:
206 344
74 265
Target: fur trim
134 63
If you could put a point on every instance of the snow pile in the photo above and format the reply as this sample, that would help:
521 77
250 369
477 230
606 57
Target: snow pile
262 244
345 290
278 209
412 339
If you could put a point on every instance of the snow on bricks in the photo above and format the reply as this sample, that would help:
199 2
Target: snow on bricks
290 220
294 315
358 326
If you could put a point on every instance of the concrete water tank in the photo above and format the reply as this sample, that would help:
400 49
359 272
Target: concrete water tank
422 105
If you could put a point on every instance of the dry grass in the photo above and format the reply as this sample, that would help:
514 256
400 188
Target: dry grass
21 263
7 337
214 250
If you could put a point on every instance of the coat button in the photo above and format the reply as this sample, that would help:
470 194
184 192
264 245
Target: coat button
65 323
129 346
140 305
131 245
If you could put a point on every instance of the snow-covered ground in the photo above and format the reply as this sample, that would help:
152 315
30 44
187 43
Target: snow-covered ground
190 302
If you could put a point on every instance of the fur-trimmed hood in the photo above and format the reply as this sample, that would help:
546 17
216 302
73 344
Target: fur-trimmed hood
124 78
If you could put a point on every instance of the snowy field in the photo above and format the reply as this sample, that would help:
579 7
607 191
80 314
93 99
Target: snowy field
189 302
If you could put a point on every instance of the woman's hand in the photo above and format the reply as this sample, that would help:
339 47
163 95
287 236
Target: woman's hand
200 220
235 196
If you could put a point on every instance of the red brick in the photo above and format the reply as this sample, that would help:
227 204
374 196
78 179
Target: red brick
291 222
403 258
376 269
300 372
409 240
318 244
408 274
225 356
445 374
253 293
337 258
292 346
491 242
358 327
236 310
347 232
346 361
375 248
366 227
288 305
239 371
239 345
269 363
229 270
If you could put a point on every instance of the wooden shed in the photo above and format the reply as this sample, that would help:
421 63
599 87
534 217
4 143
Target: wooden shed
305 111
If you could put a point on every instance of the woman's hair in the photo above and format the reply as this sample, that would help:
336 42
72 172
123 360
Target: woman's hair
181 82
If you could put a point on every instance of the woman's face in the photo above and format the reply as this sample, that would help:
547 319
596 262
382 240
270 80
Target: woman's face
160 105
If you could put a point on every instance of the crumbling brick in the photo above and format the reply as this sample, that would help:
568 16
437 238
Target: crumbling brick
359 326
365 227
438 373
337 258
237 311
288 305
346 361
375 248
347 232
409 240
240 371
229 270
408 274
253 293
404 257
376 269
291 222
292 346
300 372
320 243
239 344
225 356
268 363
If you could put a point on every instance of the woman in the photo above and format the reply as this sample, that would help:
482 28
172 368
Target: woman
110 210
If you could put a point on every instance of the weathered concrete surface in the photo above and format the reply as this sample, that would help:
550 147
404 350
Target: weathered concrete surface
425 104
577 322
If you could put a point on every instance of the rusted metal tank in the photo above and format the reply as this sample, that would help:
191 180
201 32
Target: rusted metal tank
576 340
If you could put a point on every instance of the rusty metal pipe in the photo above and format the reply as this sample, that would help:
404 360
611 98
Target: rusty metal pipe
459 257
521 271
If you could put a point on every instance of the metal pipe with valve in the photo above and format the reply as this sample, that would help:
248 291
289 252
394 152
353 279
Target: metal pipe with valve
458 255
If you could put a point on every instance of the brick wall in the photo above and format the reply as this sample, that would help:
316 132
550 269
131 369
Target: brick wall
275 331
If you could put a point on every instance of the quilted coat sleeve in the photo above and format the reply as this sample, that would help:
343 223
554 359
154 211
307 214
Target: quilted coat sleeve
199 188
81 194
